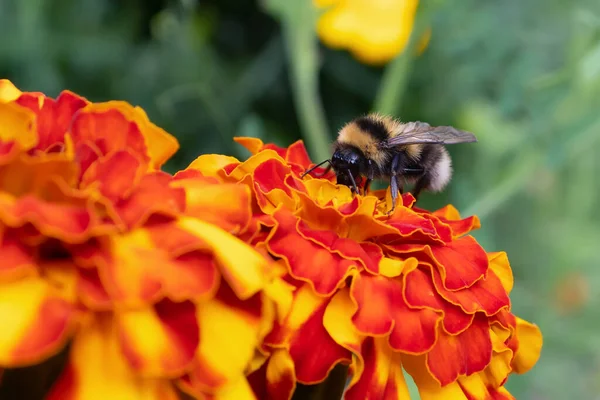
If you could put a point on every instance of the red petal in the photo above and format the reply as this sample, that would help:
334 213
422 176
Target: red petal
416 227
382 376
297 154
275 379
53 116
382 309
487 294
420 292
462 262
307 260
460 227
463 354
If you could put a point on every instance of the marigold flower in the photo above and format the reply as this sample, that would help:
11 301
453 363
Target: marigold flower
102 249
374 31
411 291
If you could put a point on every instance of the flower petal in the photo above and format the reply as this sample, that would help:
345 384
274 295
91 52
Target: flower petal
242 267
17 259
159 341
462 262
308 261
53 116
420 292
211 164
530 346
460 227
98 370
276 379
158 144
464 354
229 334
35 324
303 331
18 124
382 377
487 294
382 309
8 91
501 267
225 205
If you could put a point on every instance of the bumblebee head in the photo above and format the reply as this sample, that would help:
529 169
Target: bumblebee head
348 163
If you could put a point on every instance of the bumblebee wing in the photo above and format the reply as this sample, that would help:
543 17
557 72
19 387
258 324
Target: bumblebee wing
422 132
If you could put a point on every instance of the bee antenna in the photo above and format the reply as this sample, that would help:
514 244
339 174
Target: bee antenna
315 167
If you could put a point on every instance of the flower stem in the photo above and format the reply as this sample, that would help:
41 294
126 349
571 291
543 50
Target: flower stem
393 83
330 389
298 19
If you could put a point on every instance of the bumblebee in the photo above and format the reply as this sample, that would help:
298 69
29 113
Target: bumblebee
376 147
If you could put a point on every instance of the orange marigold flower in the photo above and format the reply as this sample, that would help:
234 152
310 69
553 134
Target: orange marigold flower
374 31
410 291
102 249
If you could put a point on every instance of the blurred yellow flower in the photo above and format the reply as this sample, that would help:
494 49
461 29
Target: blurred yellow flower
374 31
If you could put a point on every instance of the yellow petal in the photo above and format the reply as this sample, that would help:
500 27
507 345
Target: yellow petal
211 164
8 91
501 266
98 370
18 124
242 266
530 346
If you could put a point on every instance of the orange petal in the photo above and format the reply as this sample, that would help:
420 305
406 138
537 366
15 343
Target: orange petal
417 227
114 176
158 144
253 145
160 341
382 377
276 379
97 369
153 195
460 227
462 262
211 164
17 259
18 124
225 205
36 322
530 346
308 261
270 187
382 309
140 266
109 129
8 91
53 116
464 354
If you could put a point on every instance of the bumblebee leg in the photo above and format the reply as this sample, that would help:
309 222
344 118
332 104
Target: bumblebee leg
421 184
354 188
394 190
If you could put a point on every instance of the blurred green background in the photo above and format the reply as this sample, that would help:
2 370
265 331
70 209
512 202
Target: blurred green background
523 75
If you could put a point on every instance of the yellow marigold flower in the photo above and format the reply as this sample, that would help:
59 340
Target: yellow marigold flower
374 31
102 249
412 291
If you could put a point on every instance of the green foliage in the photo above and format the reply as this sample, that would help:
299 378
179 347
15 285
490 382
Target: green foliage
523 75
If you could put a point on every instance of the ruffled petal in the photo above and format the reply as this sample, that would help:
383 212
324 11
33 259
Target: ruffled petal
276 379
307 259
382 309
463 354
19 125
